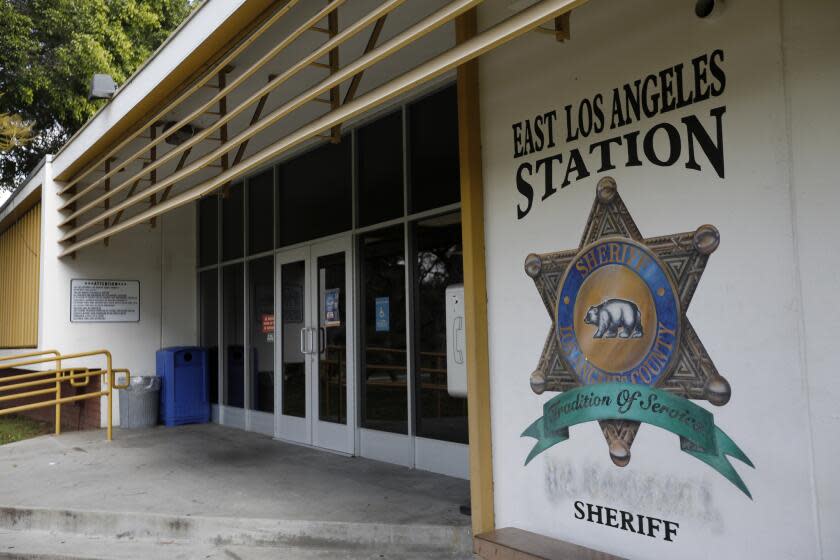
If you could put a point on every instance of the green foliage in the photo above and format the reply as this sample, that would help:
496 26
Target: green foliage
14 132
16 428
49 49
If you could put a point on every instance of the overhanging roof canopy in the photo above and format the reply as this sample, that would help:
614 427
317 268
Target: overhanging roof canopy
125 181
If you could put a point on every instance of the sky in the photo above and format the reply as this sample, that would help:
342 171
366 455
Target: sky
3 196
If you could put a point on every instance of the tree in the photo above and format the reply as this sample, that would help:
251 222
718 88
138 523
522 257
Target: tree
49 49
14 132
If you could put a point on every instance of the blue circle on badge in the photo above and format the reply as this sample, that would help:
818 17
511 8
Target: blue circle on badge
618 314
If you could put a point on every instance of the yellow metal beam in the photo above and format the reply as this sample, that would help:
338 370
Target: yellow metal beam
475 285
505 31
63 377
335 93
17 396
36 374
45 404
371 44
219 98
345 35
417 31
35 354
236 34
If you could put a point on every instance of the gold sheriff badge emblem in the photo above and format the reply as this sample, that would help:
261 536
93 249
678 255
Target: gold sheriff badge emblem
621 350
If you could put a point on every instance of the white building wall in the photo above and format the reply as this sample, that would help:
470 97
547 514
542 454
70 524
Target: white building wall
760 308
811 40
179 326
162 259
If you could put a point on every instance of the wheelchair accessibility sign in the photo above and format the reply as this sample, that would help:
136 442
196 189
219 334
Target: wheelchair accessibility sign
383 314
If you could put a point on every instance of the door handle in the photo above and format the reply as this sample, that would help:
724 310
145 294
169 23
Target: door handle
302 342
322 340
311 340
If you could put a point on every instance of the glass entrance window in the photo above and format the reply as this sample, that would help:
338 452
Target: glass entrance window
208 230
233 222
384 360
315 192
208 294
261 334
434 169
380 170
332 339
292 325
233 319
438 261
273 263
261 213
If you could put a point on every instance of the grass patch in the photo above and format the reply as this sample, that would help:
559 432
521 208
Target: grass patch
16 428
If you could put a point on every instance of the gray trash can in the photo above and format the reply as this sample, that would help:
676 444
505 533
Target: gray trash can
139 402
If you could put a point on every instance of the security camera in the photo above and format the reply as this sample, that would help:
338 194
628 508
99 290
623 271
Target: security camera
708 9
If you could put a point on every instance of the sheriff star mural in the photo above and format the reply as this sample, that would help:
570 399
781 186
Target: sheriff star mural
621 350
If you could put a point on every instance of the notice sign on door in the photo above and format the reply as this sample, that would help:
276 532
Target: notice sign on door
332 315
104 301
267 323
267 326
383 314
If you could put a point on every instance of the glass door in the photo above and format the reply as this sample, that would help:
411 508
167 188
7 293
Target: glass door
293 389
332 357
315 353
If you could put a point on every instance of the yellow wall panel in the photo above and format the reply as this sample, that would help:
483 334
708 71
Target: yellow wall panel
20 261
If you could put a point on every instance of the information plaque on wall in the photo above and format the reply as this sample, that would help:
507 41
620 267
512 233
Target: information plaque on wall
104 301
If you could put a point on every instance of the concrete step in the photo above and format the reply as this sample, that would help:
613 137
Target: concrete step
42 545
171 534
513 543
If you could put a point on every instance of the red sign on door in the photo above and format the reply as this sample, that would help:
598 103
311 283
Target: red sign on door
267 323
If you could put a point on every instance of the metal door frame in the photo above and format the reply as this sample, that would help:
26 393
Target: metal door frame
311 430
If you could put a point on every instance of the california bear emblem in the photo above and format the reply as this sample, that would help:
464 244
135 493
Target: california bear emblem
615 317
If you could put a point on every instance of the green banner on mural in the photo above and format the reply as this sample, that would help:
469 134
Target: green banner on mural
695 425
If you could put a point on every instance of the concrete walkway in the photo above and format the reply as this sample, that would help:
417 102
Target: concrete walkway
212 486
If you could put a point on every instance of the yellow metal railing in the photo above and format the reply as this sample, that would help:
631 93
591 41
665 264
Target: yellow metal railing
52 380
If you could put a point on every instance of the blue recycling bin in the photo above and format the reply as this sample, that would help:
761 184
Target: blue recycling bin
185 392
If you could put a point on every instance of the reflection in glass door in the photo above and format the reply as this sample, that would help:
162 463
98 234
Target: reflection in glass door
333 356
292 350
332 339
407 415
314 329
